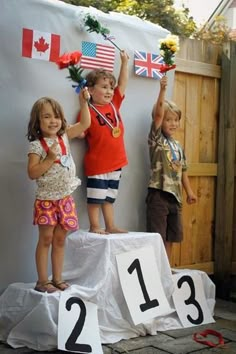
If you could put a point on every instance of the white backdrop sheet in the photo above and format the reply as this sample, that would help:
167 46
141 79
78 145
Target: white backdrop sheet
29 318
24 80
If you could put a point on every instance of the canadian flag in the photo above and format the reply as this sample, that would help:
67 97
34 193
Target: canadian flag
40 45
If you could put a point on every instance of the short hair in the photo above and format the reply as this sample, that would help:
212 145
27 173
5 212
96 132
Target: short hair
168 106
34 131
93 76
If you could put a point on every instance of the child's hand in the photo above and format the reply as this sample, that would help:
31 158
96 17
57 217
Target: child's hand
191 198
124 56
52 151
163 82
84 96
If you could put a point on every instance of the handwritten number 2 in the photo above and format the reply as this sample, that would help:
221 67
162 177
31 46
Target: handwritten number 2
191 300
71 344
148 303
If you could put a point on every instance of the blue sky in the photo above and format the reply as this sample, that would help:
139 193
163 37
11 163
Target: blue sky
199 9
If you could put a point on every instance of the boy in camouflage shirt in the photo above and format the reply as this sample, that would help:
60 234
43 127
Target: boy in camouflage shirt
168 173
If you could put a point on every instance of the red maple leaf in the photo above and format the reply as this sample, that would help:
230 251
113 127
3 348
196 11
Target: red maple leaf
41 45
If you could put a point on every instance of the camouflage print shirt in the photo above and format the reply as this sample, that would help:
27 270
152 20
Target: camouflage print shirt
167 163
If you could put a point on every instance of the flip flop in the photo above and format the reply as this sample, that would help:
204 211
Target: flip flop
45 287
61 284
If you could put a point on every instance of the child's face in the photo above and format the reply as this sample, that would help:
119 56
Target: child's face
102 92
50 124
170 123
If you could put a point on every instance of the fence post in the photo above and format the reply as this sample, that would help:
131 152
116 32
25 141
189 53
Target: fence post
225 175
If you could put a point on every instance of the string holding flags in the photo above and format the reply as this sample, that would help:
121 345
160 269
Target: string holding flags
95 26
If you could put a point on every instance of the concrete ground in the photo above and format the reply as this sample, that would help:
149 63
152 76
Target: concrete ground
173 342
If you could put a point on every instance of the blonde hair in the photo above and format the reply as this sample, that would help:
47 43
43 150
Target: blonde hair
34 131
168 106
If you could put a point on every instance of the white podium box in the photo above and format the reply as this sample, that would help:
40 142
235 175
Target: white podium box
29 318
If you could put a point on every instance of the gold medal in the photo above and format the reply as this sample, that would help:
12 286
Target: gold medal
116 132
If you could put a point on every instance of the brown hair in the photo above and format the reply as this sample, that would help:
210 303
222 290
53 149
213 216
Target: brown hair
34 131
168 106
94 75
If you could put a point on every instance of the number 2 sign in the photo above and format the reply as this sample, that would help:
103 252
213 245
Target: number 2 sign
78 325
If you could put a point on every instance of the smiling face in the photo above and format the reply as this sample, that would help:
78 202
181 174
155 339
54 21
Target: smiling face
102 92
170 123
50 122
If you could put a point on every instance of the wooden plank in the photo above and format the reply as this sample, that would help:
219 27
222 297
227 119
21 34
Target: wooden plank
233 268
198 68
204 219
225 180
209 119
202 169
190 228
207 267
199 50
192 115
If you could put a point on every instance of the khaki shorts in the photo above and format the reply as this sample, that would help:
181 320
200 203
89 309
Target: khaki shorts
54 212
164 215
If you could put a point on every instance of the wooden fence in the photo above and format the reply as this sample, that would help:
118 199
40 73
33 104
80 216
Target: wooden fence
204 91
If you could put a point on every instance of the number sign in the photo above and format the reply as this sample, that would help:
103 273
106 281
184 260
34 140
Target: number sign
78 325
141 284
190 301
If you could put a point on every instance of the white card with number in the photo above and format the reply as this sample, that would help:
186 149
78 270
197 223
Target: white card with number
141 284
78 329
190 301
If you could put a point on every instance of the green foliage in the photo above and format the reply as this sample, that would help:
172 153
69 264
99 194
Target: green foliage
218 33
161 12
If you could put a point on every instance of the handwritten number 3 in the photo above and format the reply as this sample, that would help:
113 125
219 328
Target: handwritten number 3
191 300
71 344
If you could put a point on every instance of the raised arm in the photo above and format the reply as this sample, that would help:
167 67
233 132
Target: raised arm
123 76
158 113
77 129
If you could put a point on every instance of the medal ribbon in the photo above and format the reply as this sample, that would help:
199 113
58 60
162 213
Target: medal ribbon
104 118
62 145
198 337
172 151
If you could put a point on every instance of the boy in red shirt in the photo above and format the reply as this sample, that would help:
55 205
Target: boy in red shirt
106 153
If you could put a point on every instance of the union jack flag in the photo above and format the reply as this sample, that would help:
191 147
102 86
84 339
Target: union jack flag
148 64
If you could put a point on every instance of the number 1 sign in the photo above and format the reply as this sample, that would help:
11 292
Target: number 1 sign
141 285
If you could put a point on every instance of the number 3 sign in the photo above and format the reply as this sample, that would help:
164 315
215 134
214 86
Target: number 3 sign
190 301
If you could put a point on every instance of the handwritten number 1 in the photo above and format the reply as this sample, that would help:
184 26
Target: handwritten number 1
71 344
148 303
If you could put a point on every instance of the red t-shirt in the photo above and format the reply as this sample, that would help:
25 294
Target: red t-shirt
105 153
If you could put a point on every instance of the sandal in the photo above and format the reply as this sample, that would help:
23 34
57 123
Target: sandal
45 287
61 284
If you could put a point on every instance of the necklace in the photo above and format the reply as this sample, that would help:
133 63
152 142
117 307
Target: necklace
115 131
65 159
175 161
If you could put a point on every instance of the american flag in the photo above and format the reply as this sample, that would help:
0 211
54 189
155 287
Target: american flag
148 64
97 56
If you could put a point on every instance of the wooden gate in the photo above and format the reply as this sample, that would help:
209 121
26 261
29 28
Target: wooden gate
204 89
196 92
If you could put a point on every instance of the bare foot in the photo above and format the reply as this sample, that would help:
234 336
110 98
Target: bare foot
99 231
117 230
